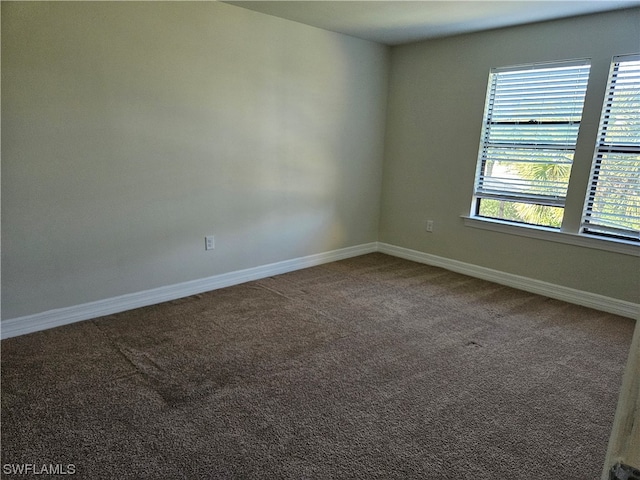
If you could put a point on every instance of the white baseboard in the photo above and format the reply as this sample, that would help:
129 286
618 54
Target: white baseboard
76 313
559 292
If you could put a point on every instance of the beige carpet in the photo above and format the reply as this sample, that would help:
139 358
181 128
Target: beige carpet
368 368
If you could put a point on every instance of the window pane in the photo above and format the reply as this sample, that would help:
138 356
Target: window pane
616 200
521 212
527 172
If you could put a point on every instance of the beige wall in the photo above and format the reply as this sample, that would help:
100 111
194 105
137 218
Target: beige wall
436 100
132 130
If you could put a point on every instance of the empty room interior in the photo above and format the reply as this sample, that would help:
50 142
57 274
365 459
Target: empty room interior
321 240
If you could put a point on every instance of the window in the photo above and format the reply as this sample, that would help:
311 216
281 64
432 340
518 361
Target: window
531 122
531 127
612 206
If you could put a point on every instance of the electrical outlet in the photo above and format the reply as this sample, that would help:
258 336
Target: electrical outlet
209 242
429 226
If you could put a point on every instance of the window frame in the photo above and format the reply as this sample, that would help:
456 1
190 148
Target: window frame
533 148
604 147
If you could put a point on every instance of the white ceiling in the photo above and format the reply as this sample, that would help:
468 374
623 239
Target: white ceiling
393 22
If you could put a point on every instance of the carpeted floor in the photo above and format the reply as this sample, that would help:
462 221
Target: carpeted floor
367 368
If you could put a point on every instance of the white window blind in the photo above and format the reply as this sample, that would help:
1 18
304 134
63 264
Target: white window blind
531 122
612 205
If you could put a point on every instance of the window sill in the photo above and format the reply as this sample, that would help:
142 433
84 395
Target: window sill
553 235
